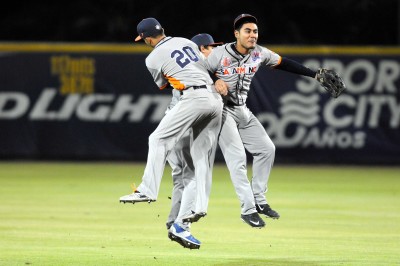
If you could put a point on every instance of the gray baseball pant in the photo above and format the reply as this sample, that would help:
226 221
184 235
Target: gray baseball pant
242 131
201 111
182 175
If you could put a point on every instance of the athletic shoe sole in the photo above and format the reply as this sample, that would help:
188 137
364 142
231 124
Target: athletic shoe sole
271 217
194 218
183 242
134 201
253 225
260 211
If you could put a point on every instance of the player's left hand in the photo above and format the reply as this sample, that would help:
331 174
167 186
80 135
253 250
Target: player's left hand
221 87
331 81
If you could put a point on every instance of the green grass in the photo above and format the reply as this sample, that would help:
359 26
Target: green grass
68 214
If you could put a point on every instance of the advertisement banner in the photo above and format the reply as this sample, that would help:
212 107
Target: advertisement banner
91 103
307 125
77 106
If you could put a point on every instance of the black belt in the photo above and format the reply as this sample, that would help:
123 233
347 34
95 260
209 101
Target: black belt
195 88
198 87
231 104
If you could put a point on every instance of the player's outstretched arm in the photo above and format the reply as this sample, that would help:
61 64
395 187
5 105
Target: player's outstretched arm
292 66
328 79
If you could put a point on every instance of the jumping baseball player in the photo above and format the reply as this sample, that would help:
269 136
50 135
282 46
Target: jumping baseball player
176 62
179 158
235 64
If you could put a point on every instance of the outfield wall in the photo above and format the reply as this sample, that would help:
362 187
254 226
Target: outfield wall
98 102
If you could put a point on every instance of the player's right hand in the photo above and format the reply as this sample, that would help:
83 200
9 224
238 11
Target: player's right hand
221 87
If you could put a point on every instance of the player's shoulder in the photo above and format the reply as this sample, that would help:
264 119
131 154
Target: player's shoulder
150 61
263 50
179 41
221 48
154 58
260 48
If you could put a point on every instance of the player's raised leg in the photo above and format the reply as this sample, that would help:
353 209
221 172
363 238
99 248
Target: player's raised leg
259 145
205 136
161 141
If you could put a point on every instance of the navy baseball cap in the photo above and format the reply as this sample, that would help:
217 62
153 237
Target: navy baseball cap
205 39
148 27
244 17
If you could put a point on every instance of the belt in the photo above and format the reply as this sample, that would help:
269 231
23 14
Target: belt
198 87
231 104
194 88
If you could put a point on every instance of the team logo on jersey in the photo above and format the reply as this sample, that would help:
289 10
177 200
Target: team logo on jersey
255 56
245 69
226 61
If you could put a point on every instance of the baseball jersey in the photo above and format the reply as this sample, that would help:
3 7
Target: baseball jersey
238 70
177 61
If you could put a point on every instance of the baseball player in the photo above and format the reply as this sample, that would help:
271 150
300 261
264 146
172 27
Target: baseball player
235 64
177 63
179 158
205 43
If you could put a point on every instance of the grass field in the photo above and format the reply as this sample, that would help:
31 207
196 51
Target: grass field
69 214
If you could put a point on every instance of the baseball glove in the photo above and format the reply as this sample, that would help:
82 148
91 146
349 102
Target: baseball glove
331 81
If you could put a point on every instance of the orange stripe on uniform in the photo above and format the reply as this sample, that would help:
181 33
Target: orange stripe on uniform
176 84
163 86
279 62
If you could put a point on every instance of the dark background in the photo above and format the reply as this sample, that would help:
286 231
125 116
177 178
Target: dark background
290 22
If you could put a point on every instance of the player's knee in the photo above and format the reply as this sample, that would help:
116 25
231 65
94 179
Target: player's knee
272 149
267 152
153 138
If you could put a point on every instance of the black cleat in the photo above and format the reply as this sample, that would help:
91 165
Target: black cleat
253 219
176 239
267 211
194 217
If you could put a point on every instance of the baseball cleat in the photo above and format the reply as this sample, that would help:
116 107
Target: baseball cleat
194 217
135 197
169 224
183 237
253 219
176 239
267 211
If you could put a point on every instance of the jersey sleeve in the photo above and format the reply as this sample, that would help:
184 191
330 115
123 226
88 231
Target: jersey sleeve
271 59
212 61
157 75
